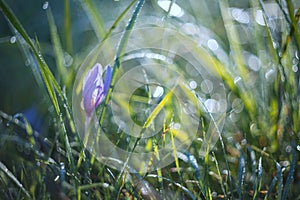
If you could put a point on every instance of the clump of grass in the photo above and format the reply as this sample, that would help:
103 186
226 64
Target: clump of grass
256 156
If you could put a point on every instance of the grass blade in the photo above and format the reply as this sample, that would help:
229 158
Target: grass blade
14 179
158 108
121 48
191 195
241 175
290 177
17 25
47 75
277 178
67 23
294 20
238 58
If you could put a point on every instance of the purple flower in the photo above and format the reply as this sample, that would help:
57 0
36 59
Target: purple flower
93 89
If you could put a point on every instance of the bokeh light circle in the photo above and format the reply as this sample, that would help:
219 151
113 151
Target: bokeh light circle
163 93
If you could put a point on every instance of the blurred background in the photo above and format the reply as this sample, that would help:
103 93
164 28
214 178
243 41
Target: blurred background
18 88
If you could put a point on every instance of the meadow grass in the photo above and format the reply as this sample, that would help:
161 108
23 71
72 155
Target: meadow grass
255 157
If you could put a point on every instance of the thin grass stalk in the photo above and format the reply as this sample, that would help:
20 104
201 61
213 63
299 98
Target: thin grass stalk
186 190
241 176
290 176
58 51
121 48
67 26
95 18
14 179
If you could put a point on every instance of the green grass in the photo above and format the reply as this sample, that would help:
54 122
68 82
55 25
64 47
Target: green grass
257 152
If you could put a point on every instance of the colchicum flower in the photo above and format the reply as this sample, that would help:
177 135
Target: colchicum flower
94 90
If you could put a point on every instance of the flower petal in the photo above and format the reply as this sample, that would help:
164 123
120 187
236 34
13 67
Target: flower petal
107 79
92 87
103 92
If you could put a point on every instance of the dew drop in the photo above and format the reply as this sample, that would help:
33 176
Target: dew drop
240 15
207 86
176 126
190 28
295 68
45 5
212 105
259 18
288 148
212 44
237 79
13 39
27 62
193 84
253 63
68 60
159 91
237 105
270 74
175 11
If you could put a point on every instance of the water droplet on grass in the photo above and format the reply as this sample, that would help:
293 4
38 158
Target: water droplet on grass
13 39
237 79
207 86
193 84
270 74
45 5
253 63
259 18
176 10
240 15
237 105
68 59
212 44
159 91
295 68
212 105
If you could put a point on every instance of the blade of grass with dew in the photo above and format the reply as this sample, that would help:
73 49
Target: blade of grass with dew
28 127
253 169
67 26
216 129
219 69
58 51
94 17
158 108
118 58
17 25
219 174
89 186
290 176
170 8
245 94
294 21
233 38
47 79
241 176
47 76
276 179
14 179
108 34
191 195
259 178
175 153
120 50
